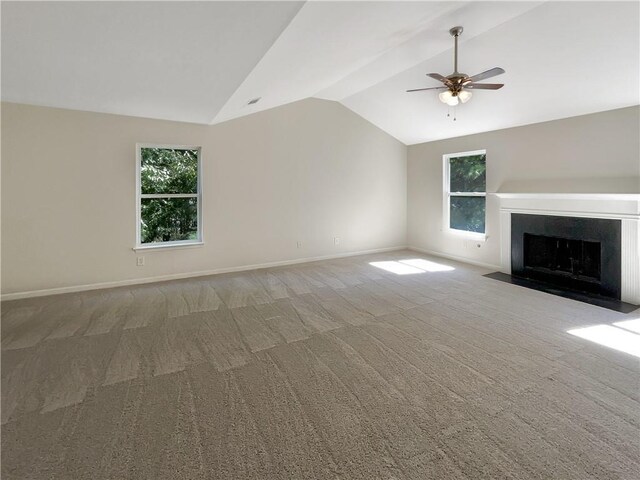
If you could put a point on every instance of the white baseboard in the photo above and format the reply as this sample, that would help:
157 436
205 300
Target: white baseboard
178 276
454 257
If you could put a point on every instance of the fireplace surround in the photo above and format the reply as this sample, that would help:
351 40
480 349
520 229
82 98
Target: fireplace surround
582 254
569 213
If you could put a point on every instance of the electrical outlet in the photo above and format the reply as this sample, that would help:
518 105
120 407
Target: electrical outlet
299 244
472 244
336 240
140 261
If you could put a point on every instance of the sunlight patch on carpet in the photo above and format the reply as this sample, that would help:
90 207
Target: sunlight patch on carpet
411 266
612 337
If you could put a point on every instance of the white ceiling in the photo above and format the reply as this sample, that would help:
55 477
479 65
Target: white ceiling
203 61
562 59
171 60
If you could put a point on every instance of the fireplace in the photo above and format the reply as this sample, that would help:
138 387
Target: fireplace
573 253
584 246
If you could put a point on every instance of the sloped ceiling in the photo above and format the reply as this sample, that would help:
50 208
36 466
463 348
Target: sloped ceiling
202 62
171 60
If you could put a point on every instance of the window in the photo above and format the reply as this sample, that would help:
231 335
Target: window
169 196
465 192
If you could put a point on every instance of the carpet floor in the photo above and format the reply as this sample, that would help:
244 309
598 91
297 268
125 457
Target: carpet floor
389 366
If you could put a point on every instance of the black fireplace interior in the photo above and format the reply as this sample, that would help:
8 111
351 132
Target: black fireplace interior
578 254
577 259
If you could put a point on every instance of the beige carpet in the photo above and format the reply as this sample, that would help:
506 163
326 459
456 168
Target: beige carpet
329 370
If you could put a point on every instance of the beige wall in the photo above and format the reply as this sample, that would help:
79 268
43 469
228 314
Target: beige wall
307 171
597 153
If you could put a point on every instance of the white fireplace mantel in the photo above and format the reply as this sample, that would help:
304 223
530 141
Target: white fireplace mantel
623 207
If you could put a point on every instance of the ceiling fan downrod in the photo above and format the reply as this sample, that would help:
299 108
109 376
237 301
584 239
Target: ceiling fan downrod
455 33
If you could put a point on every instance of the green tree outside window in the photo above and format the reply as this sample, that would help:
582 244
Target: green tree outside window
169 195
467 192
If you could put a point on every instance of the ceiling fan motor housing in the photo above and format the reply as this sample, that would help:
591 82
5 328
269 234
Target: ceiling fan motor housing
457 81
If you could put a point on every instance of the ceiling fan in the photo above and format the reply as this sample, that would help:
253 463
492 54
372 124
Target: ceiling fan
457 86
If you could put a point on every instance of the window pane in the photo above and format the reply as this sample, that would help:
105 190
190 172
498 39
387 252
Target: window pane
468 174
166 170
467 213
169 219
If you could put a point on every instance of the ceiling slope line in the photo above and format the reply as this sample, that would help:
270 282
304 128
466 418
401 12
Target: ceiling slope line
393 48
214 119
323 40
447 20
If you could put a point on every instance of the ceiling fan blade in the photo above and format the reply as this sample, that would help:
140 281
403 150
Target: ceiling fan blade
488 74
440 78
430 88
484 86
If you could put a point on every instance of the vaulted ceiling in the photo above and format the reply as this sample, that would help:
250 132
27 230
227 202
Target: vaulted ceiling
203 62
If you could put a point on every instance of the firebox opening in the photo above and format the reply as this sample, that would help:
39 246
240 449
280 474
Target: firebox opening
577 259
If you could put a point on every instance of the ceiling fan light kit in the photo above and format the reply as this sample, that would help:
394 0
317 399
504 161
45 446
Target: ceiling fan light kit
452 99
457 86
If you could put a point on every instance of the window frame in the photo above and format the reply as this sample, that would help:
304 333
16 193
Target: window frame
447 194
139 196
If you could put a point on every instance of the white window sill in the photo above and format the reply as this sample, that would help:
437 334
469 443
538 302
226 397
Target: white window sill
479 237
167 246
